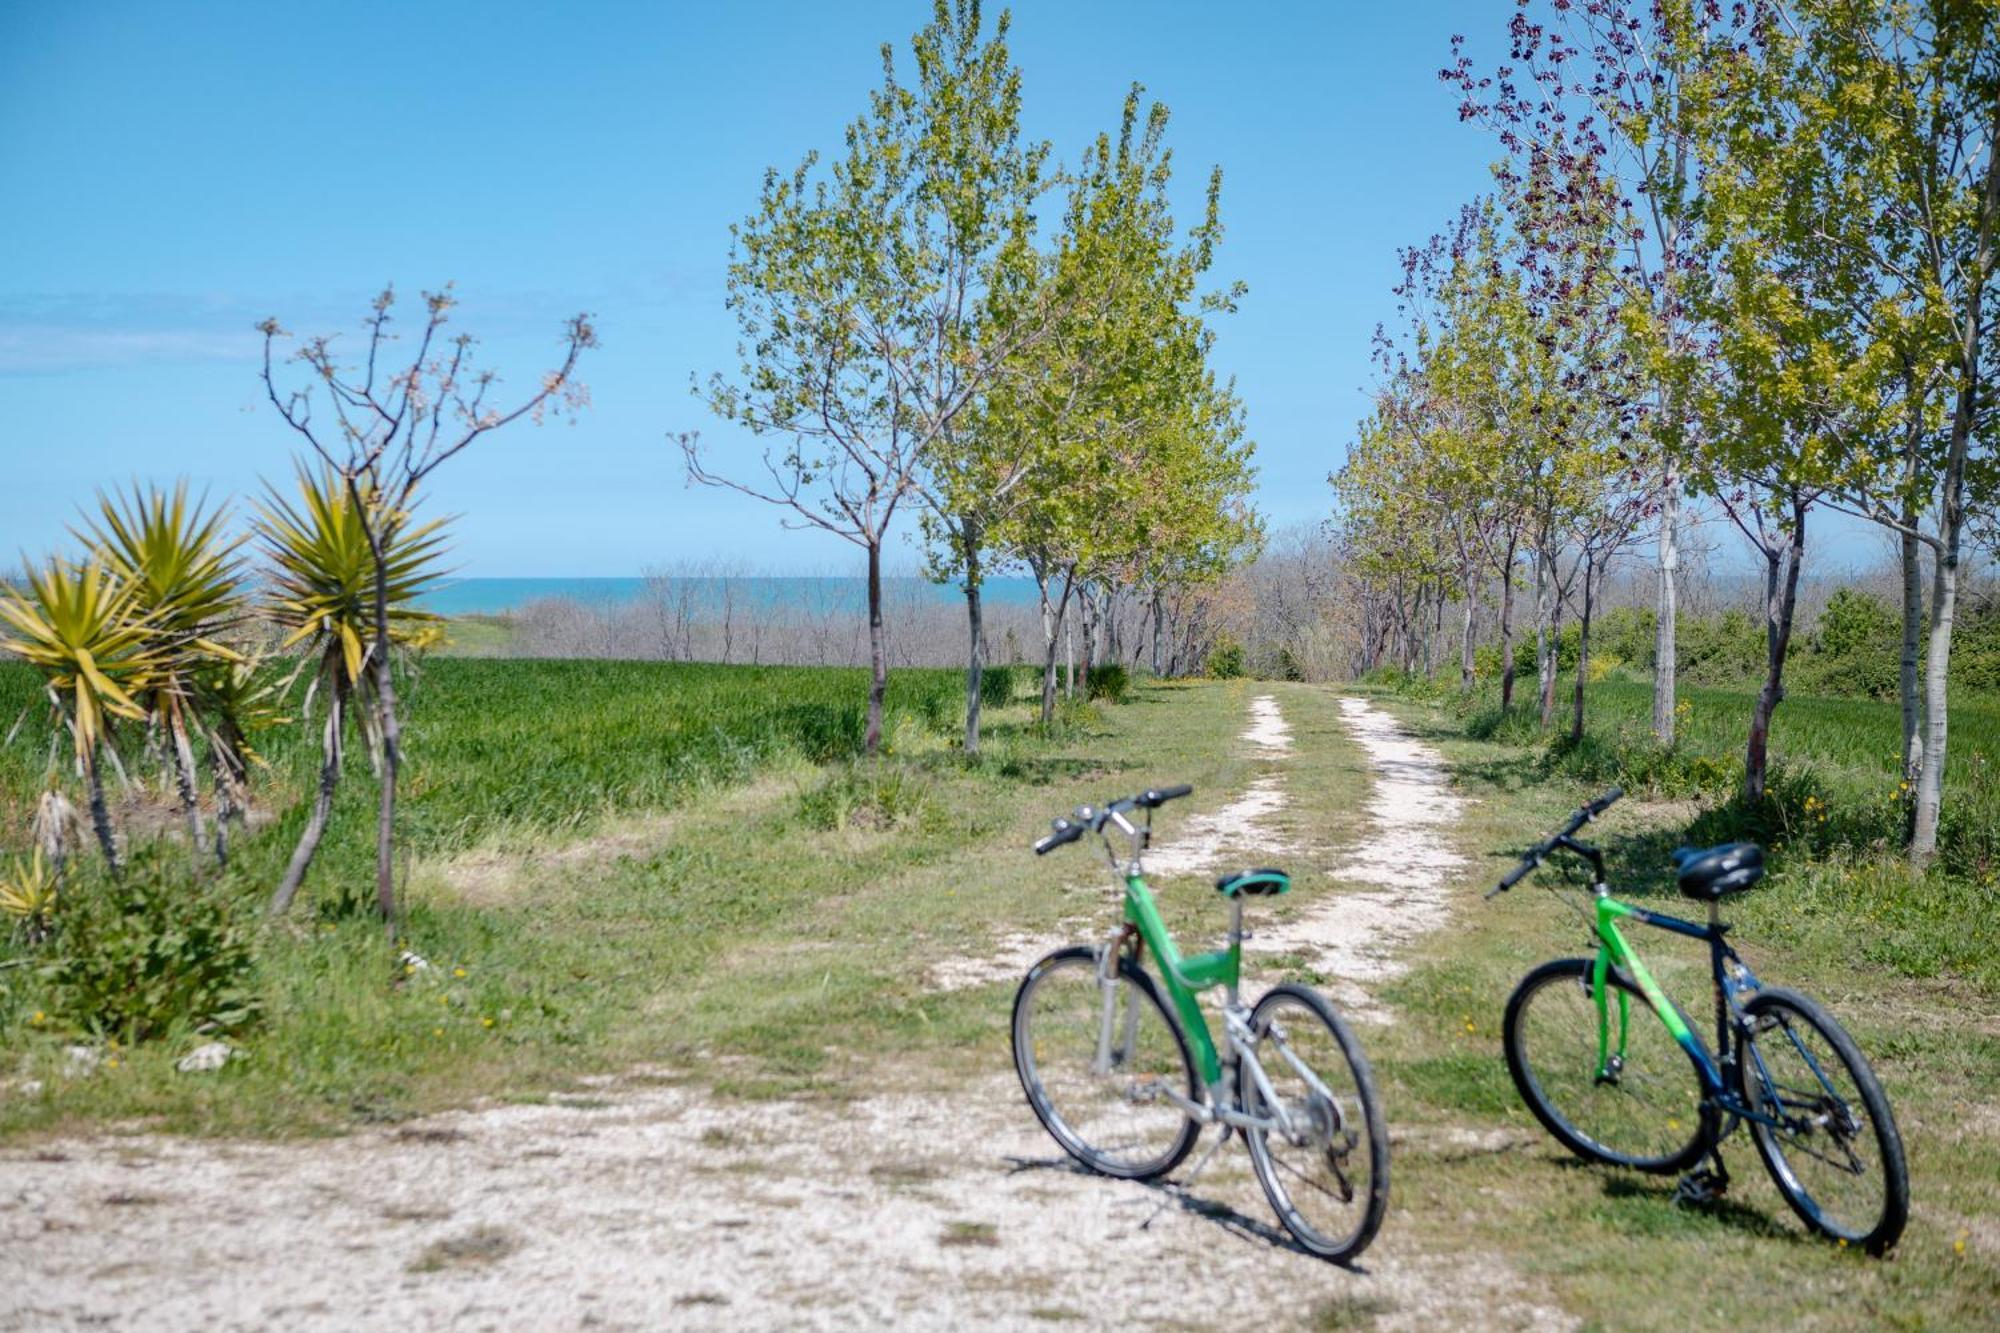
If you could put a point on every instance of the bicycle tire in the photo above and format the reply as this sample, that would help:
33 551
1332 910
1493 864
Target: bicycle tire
1778 1007
1320 1169
1167 1046
1652 1094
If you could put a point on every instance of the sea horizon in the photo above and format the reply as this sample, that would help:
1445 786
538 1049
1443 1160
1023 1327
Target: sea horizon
821 592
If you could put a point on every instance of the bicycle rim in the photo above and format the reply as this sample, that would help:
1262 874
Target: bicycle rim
1643 1109
1328 1177
1836 1154
1104 1102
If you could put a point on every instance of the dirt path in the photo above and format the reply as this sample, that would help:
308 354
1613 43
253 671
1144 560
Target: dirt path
1402 866
652 1206
1195 847
646 1203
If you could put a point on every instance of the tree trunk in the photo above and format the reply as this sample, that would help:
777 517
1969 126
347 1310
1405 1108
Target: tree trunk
329 780
878 653
1507 630
1465 645
1583 646
390 728
1159 627
1665 660
975 623
1087 606
1911 554
1053 615
100 817
1545 639
184 781
1952 513
1781 600
228 785
1912 654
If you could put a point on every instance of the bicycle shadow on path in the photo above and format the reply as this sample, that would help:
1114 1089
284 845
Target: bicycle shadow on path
1171 1196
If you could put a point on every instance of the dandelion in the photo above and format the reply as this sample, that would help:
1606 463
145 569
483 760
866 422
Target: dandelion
486 1022
437 1032
458 971
39 1017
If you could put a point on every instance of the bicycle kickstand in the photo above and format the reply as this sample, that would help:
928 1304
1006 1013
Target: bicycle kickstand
1702 1186
1174 1193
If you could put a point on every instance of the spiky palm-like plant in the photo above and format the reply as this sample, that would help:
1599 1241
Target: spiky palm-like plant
321 593
234 701
78 624
28 896
187 581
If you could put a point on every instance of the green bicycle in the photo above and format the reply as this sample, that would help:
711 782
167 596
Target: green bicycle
1126 1083
1652 1097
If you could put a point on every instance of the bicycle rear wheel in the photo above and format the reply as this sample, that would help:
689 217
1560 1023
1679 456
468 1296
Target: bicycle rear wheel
1835 1154
1104 1100
1328 1179
1647 1111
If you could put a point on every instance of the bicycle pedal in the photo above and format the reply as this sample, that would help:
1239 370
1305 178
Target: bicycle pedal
1700 1188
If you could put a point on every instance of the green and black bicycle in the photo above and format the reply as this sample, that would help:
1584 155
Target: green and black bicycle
1125 1083
1617 1088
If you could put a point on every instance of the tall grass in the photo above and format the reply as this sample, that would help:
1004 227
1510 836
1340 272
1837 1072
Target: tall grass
1836 812
550 744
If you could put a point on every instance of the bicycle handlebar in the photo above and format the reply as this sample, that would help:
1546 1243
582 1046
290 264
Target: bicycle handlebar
1091 818
1532 861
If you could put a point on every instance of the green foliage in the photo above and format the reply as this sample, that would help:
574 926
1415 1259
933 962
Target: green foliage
1000 685
79 626
869 794
152 954
28 892
1110 681
1226 660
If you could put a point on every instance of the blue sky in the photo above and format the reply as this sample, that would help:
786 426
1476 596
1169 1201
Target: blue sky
175 173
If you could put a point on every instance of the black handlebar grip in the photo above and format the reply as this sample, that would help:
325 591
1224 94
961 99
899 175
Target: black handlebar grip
1606 801
1065 832
1161 795
1519 873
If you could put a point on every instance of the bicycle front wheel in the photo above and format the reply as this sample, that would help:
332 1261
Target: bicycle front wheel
1325 1167
1642 1107
1834 1152
1097 1058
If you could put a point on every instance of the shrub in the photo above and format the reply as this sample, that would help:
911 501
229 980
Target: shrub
1225 660
1110 682
152 954
999 685
867 795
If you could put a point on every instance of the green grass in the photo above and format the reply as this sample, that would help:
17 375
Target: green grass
1888 953
649 869
614 864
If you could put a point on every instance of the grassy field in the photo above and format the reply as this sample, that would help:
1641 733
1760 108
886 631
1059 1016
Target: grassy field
1614 1246
614 863
638 866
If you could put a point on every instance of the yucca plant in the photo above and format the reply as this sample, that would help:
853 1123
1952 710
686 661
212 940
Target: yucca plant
234 701
28 896
186 578
78 624
322 595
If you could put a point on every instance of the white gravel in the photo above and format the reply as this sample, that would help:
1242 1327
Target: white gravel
1403 863
651 1206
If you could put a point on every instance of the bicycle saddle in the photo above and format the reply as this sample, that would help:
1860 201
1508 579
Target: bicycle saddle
1254 882
1708 873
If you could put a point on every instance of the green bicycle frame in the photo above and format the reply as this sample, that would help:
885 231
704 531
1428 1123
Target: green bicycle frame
1612 950
1185 978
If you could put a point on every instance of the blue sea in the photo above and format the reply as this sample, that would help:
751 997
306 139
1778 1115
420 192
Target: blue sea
493 597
